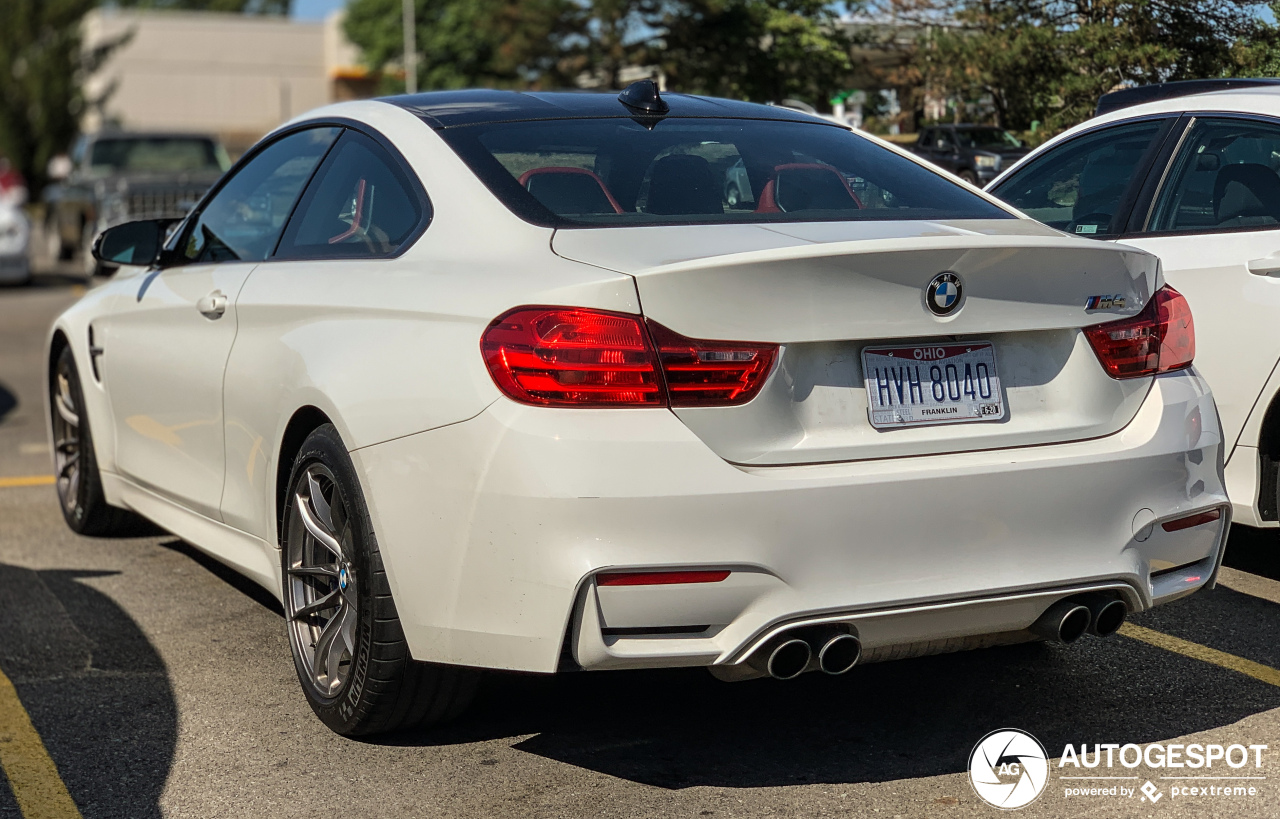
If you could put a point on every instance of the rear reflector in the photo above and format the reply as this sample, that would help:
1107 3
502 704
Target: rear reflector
1191 520
1159 339
573 357
658 578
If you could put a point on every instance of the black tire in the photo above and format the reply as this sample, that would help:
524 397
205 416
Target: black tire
969 176
79 483
382 688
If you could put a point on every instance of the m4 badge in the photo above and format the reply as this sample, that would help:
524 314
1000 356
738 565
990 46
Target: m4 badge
1115 302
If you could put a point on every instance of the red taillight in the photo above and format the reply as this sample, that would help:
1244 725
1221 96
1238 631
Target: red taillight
567 357
659 578
573 357
711 373
1159 339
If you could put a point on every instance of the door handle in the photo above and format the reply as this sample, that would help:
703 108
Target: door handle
213 305
1269 266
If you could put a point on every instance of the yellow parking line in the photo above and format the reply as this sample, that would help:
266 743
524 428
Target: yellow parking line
27 480
33 777
1203 653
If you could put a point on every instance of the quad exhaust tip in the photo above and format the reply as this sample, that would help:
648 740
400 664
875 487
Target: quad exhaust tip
1107 617
839 654
1068 620
789 659
1064 622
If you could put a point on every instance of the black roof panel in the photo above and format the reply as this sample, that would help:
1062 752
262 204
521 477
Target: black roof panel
445 109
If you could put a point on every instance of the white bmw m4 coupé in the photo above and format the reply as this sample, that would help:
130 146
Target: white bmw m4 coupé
497 380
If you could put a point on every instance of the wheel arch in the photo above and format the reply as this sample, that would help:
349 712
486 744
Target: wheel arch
1269 460
302 423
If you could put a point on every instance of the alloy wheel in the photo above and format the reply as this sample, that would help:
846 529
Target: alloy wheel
66 441
321 600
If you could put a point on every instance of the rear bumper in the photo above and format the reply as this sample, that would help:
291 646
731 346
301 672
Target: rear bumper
493 531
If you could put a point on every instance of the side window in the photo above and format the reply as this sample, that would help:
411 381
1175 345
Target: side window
1224 178
243 220
360 205
1078 186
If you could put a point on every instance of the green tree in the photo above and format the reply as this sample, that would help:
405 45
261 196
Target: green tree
763 50
237 6
40 92
1050 60
752 49
495 43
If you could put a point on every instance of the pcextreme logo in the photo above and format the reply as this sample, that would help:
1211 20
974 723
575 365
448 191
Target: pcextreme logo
1009 769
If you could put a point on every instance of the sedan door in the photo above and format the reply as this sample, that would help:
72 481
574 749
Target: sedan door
1216 226
165 352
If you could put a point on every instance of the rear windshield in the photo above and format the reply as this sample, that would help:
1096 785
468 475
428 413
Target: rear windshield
617 172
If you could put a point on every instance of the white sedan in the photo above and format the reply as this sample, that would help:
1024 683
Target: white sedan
486 379
1190 171
15 244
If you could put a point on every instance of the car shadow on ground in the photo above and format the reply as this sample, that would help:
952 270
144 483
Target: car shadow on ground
96 690
681 728
8 401
905 719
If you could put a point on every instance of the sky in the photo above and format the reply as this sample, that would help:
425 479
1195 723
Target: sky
315 9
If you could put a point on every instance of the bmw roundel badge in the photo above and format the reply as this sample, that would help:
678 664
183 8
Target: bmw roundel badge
942 296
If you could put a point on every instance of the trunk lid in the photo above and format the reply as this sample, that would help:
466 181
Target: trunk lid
824 291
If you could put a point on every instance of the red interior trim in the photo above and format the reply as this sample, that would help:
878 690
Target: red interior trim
356 218
767 203
660 578
524 180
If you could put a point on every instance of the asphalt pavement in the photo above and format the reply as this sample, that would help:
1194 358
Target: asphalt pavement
160 684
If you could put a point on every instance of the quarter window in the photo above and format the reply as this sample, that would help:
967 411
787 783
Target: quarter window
1078 187
1226 177
244 219
360 205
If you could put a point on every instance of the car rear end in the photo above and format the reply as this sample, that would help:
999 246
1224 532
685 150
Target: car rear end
827 435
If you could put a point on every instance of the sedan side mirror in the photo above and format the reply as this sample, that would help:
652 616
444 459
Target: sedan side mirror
133 243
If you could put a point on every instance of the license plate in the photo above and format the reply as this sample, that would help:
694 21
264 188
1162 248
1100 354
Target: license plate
932 384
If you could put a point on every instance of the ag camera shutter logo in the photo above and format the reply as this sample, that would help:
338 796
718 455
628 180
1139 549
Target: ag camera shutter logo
1008 769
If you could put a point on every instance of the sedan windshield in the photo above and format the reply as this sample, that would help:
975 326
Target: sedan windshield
157 155
620 172
989 138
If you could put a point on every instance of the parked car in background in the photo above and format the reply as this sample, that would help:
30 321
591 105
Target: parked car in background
1195 179
15 241
487 379
975 153
118 177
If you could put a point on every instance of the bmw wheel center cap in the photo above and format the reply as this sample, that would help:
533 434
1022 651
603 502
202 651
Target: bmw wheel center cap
942 296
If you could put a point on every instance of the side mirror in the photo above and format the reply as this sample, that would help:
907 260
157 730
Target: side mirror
133 243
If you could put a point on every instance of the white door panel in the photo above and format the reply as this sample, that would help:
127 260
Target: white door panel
164 357
1235 312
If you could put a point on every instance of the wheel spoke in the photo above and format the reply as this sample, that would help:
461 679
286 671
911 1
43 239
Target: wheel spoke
328 601
73 489
316 530
323 512
314 571
332 643
66 409
69 464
